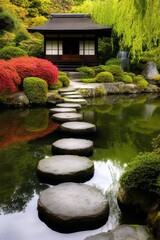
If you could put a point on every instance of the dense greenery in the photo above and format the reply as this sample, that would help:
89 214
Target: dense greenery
36 90
143 174
105 77
11 52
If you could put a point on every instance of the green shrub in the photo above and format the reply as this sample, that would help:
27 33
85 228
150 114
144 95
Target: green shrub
116 70
156 144
99 68
36 89
131 74
56 86
140 81
113 61
88 80
142 174
127 79
88 71
60 73
21 35
9 52
7 22
104 77
64 80
156 78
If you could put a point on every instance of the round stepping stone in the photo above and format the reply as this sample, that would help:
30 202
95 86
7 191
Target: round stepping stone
67 116
67 89
69 93
62 110
73 146
74 96
133 232
65 168
80 101
70 207
69 105
78 127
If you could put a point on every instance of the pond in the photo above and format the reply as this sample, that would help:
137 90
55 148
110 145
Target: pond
125 125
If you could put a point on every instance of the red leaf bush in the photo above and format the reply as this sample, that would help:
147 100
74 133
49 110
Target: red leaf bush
35 67
9 78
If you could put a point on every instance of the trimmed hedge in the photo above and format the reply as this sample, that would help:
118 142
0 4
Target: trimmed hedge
35 67
9 78
64 80
127 79
113 61
36 89
104 77
116 70
9 52
140 81
88 71
56 86
142 174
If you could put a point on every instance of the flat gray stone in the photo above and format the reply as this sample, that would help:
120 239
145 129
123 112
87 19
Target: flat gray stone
65 168
78 127
73 146
80 101
69 105
124 232
70 207
62 110
78 96
67 89
67 116
70 93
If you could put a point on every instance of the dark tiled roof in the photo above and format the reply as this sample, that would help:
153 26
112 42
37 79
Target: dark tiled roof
69 22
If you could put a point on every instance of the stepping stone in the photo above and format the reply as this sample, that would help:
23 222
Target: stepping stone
78 127
70 207
69 105
133 232
69 93
80 101
73 146
67 116
74 96
67 89
65 168
62 110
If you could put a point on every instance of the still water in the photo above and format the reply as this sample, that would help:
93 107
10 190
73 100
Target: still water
125 125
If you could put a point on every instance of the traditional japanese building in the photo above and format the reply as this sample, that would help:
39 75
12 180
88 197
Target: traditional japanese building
71 40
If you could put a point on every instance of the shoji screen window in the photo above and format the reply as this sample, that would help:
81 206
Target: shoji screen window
54 47
87 47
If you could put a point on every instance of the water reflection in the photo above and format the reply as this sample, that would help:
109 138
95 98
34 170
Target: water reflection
125 124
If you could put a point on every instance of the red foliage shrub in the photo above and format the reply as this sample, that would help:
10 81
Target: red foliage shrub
9 78
35 67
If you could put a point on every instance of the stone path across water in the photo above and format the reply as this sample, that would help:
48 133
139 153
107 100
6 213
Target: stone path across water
65 168
80 101
69 105
78 127
78 96
73 146
70 207
67 116
62 110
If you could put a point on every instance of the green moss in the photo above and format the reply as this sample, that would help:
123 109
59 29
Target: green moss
88 80
60 73
104 77
99 92
36 89
116 70
142 174
113 61
156 78
140 81
99 68
64 80
127 79
88 71
9 52
56 86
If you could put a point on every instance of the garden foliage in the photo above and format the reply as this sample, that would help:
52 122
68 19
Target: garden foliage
64 80
36 89
88 71
143 174
9 52
104 77
34 67
9 78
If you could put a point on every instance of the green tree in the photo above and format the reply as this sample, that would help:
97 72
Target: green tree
6 22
